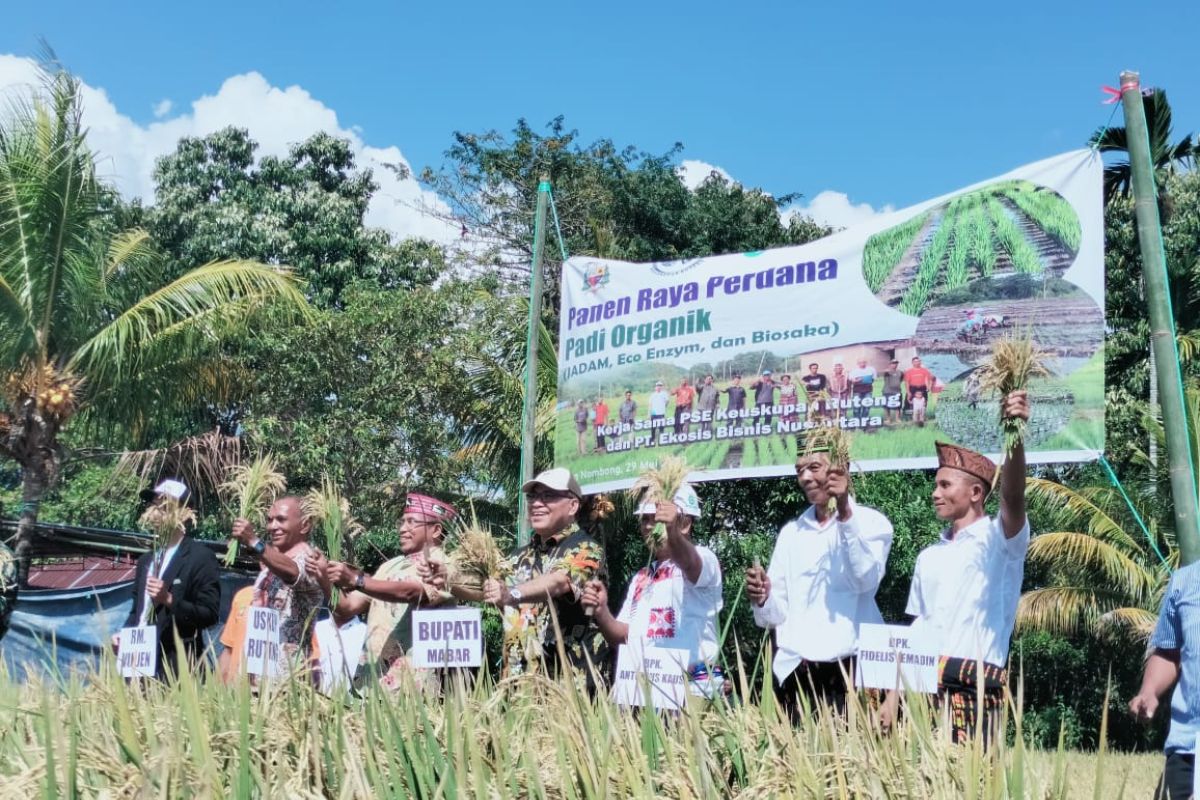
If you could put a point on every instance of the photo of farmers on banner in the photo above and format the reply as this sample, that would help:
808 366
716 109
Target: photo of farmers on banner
879 329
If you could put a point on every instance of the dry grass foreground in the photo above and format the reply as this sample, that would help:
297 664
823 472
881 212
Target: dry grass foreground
97 736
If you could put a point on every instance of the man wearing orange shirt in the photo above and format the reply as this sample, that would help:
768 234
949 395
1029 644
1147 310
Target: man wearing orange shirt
233 635
601 409
919 382
685 395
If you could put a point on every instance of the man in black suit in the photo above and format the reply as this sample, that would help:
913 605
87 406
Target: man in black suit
177 588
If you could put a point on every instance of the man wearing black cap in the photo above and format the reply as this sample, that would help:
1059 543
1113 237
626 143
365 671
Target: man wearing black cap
177 586
966 586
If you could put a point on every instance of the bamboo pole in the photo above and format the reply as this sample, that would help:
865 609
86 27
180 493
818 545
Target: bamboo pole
529 411
1162 327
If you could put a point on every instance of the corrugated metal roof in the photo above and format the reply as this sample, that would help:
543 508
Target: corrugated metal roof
81 573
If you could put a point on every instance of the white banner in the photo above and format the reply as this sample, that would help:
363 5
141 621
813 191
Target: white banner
878 329
137 651
261 653
447 638
662 669
896 657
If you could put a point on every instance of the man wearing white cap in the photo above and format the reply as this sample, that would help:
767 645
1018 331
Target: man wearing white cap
548 576
821 584
176 587
674 601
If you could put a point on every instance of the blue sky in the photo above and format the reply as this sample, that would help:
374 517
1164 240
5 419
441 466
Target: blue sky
886 103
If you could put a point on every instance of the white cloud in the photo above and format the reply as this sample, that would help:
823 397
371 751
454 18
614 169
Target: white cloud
276 119
695 172
835 209
162 108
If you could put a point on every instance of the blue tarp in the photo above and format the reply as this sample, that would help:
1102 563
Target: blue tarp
65 630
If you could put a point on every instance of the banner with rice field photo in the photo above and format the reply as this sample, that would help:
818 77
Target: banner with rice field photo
879 329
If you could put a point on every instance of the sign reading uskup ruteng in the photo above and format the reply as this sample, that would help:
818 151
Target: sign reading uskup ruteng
879 329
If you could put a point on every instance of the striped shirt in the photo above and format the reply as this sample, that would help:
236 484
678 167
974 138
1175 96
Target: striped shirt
1179 629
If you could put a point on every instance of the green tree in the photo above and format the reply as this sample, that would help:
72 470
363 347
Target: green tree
306 210
1168 158
90 327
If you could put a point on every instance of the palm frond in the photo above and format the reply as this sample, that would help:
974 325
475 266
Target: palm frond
1104 562
1077 507
1119 622
203 461
109 355
1062 610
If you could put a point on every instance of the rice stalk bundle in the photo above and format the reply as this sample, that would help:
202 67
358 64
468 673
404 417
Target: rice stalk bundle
329 512
164 518
834 442
251 488
477 556
1015 360
659 485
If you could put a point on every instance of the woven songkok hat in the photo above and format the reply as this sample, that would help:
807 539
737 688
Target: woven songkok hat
960 458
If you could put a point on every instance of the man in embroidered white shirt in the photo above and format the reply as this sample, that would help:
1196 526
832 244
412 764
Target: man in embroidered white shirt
820 585
966 586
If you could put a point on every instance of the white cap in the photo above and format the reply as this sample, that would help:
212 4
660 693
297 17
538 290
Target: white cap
170 487
686 499
559 479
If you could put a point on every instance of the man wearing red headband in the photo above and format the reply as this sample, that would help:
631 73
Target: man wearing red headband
397 587
966 586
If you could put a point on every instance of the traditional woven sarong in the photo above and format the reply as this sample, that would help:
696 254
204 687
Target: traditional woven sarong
958 689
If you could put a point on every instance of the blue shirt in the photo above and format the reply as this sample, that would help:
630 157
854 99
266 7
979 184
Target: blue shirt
1179 629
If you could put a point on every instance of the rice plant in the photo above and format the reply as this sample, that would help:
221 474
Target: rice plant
885 249
1050 211
251 488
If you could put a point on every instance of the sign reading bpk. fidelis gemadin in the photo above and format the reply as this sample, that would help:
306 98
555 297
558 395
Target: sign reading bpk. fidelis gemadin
878 329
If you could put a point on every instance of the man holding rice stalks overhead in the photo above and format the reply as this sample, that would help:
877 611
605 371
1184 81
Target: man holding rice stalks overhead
966 586
674 601
397 588
542 596
821 583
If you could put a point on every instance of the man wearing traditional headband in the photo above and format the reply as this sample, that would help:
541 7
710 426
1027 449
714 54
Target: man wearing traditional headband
966 586
397 588
673 602
821 583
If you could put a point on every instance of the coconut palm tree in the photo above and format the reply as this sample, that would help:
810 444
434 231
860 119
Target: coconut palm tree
1105 578
1167 157
95 326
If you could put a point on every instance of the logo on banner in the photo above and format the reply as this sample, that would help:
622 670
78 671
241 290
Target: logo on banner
675 267
595 276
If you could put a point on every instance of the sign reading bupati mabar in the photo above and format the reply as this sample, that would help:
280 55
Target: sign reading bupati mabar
878 329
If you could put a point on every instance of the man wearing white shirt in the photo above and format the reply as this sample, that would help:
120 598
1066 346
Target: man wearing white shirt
658 405
820 586
674 601
966 586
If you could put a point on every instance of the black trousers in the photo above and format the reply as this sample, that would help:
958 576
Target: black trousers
1177 777
825 681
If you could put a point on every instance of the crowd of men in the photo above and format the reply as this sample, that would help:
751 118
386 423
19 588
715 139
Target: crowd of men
815 395
814 595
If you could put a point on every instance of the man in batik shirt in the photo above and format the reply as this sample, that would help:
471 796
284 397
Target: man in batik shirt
543 596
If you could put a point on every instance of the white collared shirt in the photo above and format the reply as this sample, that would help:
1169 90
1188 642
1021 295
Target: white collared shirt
965 590
823 583
164 560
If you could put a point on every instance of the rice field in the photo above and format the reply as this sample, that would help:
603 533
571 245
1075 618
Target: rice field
95 736
1011 226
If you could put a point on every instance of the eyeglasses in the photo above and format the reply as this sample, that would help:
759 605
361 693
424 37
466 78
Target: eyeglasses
546 496
413 522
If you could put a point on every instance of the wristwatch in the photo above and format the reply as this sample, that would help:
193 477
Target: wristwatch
259 547
514 596
360 582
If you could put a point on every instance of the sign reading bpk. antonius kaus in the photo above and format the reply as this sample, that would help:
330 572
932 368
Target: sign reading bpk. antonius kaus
447 638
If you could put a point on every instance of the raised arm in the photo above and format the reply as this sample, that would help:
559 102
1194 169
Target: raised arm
1012 479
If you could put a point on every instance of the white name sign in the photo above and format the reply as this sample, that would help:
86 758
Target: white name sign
261 653
896 657
660 670
340 651
447 638
137 651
